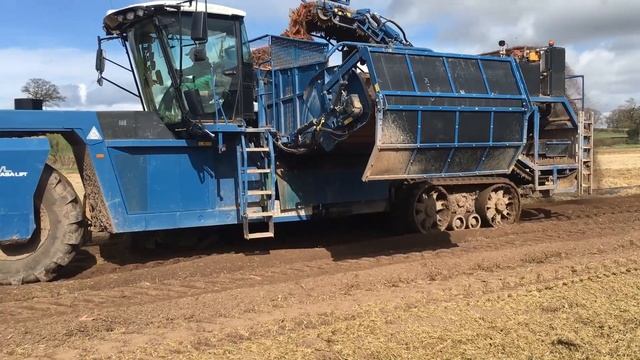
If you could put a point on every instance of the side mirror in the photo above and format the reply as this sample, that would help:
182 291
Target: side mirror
199 31
159 78
100 61
100 65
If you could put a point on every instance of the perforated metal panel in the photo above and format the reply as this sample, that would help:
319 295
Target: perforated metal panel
445 115
287 70
289 53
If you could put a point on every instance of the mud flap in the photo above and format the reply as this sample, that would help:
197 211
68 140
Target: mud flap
21 163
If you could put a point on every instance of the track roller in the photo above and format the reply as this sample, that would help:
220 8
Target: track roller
458 222
499 205
474 221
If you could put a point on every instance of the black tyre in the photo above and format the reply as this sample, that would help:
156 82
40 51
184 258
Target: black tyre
59 232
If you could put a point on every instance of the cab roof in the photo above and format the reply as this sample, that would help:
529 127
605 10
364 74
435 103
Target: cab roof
116 20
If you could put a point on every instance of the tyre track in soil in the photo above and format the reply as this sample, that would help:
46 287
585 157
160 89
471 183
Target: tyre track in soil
597 240
578 221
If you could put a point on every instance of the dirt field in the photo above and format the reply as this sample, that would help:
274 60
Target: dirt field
617 167
564 283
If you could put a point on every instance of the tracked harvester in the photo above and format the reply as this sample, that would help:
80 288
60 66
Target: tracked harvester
286 128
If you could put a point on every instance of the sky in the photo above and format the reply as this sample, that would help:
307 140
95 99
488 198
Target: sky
56 40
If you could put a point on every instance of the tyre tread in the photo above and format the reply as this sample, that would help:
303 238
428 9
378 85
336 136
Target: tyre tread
68 204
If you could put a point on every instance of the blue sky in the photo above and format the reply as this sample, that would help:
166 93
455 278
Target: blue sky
56 40
76 23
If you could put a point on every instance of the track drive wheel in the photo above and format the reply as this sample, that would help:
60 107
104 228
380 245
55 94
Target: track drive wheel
59 233
415 209
443 208
499 205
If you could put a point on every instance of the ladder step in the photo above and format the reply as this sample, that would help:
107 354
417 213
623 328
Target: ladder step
255 215
260 235
258 171
259 192
260 149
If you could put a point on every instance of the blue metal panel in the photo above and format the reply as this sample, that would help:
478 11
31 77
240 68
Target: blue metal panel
283 79
559 100
80 122
21 163
163 181
196 186
301 188
413 130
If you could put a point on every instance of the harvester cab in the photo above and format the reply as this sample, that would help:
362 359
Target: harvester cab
192 62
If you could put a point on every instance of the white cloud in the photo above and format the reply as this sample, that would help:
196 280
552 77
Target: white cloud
71 69
601 36
127 106
611 75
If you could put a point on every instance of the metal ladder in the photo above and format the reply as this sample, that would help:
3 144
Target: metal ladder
258 181
585 153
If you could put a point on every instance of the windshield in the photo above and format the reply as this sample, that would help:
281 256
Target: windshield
210 68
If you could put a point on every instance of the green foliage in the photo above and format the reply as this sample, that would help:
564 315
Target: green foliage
627 116
610 137
61 155
610 133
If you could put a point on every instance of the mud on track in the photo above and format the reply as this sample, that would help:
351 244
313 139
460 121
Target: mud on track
287 297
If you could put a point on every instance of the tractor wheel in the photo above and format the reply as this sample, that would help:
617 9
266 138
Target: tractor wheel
499 205
59 232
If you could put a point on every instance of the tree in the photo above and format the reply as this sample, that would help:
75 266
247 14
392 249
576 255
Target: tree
599 120
627 116
43 90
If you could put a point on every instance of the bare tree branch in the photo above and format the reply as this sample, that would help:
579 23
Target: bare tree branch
43 90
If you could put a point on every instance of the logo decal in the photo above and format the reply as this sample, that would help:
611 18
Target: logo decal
4 172
94 134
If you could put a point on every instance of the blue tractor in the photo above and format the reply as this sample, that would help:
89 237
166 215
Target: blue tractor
277 129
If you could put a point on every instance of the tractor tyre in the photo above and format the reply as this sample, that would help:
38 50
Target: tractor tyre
59 232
